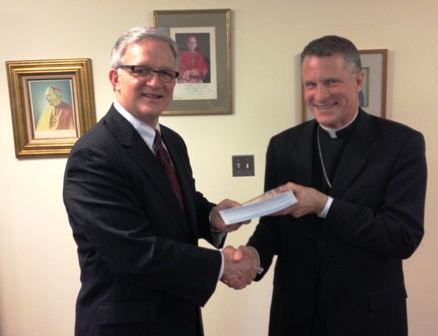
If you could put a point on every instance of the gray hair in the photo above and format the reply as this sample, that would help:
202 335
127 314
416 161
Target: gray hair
140 34
331 45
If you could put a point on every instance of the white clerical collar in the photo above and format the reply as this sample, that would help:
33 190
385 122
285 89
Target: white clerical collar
332 131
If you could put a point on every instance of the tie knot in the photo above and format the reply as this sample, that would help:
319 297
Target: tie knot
157 139
158 143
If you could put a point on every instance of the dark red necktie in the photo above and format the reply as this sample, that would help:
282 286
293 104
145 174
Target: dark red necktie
164 158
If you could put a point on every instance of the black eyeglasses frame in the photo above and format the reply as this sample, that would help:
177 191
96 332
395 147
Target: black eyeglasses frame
160 73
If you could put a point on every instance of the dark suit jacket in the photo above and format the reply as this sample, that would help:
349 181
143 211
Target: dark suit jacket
355 255
142 272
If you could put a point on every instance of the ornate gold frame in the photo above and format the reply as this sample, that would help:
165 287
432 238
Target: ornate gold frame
78 72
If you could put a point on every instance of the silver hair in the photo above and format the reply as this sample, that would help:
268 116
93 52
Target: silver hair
140 34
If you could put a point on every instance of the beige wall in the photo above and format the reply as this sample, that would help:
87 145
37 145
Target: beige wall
39 274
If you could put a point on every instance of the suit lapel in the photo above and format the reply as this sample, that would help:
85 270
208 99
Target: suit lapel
143 156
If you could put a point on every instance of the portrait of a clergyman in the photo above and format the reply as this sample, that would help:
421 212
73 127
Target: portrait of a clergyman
194 58
52 105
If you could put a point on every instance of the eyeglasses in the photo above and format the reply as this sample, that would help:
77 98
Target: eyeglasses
141 71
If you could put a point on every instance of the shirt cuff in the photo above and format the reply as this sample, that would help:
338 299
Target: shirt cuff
324 212
221 272
260 269
218 237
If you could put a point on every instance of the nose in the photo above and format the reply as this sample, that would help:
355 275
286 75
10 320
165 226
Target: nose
321 92
154 80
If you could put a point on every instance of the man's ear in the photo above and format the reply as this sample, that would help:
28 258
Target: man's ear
359 81
114 79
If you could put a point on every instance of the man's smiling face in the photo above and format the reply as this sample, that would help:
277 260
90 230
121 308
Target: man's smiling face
331 89
144 99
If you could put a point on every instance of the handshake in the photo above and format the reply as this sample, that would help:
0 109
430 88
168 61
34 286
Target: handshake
240 266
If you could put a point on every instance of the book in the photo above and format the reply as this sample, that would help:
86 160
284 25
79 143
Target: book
265 204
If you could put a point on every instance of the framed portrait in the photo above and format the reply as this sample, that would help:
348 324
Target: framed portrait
372 97
204 42
52 104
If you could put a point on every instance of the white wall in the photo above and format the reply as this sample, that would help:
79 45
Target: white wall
39 274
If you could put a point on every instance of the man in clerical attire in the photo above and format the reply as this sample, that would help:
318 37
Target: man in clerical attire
58 115
192 66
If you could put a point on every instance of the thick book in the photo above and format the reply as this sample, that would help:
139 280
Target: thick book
266 204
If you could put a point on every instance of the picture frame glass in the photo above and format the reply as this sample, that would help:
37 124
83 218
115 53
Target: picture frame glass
38 96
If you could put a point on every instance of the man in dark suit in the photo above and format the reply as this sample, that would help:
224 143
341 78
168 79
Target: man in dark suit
360 182
136 227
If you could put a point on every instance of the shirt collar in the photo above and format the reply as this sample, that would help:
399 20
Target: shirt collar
332 131
146 132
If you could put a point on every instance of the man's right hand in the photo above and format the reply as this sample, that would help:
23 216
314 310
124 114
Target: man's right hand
240 266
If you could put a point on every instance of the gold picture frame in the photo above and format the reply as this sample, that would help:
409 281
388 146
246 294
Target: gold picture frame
211 28
35 88
373 94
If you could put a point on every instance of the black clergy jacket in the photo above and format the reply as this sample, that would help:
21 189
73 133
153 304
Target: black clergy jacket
350 262
142 272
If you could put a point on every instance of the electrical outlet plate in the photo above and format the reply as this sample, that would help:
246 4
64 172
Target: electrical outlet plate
243 165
